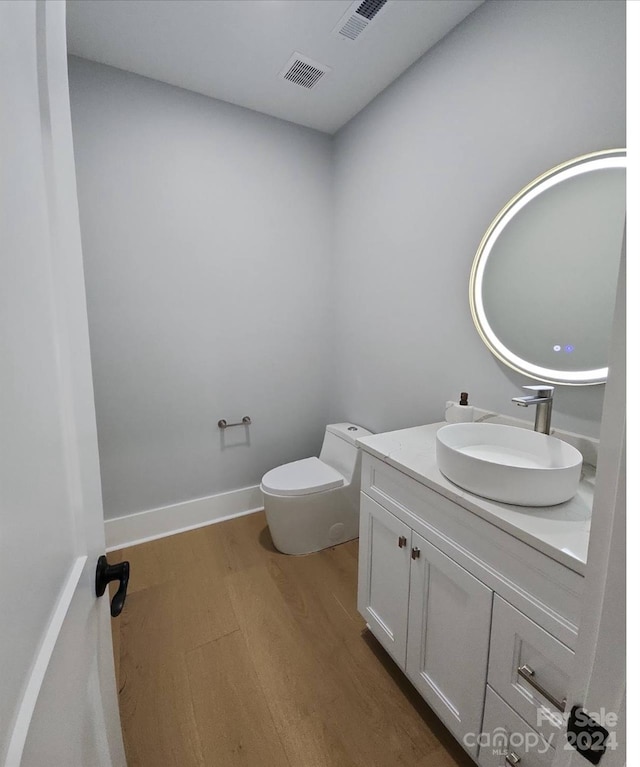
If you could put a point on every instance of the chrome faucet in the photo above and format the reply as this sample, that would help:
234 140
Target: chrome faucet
543 399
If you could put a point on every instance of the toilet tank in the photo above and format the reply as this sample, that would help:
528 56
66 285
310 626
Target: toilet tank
339 447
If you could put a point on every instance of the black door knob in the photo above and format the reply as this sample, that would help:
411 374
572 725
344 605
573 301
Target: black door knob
105 573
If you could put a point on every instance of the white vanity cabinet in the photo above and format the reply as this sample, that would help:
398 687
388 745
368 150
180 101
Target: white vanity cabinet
430 614
482 623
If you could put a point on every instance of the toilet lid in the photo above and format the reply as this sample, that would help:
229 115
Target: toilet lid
304 477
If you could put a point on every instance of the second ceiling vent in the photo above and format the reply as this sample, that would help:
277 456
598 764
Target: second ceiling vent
303 71
357 18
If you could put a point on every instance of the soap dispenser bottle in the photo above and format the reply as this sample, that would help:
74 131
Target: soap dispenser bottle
459 412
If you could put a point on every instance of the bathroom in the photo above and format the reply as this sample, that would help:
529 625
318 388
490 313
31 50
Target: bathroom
249 253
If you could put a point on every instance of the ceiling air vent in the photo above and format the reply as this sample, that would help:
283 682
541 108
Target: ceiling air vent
357 18
369 8
353 27
303 71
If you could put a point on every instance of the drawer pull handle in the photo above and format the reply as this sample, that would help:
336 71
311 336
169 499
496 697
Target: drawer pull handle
528 674
415 553
512 758
402 541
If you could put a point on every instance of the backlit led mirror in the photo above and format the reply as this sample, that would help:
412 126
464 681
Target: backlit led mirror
543 281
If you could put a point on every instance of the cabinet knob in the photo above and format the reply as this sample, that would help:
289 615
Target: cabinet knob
402 541
415 553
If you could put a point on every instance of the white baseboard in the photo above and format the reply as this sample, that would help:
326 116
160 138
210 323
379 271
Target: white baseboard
179 517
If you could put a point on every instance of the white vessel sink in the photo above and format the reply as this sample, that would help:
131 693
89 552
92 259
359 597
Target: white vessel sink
508 464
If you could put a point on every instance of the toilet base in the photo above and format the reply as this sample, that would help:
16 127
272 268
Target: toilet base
308 523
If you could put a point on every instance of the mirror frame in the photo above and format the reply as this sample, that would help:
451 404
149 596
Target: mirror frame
608 158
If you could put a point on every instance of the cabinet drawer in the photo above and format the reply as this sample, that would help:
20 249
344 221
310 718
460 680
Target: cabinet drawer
507 739
529 668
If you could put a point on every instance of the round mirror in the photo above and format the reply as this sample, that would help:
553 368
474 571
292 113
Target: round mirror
543 281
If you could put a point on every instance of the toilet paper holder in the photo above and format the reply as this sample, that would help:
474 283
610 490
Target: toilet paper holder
246 421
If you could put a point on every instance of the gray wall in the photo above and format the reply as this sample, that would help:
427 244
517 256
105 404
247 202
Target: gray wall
206 236
515 89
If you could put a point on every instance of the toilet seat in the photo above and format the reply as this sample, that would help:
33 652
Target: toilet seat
304 477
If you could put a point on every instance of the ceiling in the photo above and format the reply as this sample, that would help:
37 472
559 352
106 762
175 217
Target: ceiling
234 50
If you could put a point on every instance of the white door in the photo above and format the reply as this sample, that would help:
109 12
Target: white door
599 682
448 640
58 703
383 577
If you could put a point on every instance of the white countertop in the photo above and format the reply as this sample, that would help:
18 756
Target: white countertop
561 532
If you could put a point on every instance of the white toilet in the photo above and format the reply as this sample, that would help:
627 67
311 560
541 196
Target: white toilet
313 504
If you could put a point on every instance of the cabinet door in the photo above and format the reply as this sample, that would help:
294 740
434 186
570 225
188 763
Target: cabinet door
448 641
383 577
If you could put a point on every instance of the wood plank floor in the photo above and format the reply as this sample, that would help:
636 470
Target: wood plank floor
230 654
